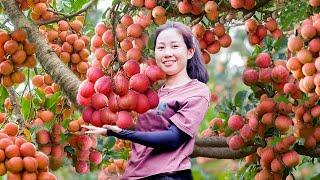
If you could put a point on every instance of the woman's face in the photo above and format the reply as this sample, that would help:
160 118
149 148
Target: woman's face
171 53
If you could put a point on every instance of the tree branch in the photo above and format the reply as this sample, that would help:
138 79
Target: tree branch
221 152
68 16
307 152
16 107
216 141
48 59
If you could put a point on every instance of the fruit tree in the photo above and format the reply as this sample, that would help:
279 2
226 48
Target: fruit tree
61 69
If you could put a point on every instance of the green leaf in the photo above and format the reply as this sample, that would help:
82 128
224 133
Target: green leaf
77 4
240 98
52 100
282 99
111 141
40 94
3 95
26 108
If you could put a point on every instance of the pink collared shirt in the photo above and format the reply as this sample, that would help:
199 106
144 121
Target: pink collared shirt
185 106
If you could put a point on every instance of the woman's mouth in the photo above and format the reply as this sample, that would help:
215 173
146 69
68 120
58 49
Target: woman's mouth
169 62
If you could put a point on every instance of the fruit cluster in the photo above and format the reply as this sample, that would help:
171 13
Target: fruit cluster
40 11
49 142
211 40
246 4
69 44
20 158
45 84
196 8
305 62
15 52
257 32
114 169
85 152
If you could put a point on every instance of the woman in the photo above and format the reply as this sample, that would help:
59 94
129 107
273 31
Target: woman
164 137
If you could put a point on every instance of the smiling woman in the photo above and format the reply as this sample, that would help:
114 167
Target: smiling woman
164 136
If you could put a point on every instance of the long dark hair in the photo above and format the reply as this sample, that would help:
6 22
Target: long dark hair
195 66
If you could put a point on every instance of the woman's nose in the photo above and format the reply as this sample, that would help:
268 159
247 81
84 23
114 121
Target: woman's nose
168 52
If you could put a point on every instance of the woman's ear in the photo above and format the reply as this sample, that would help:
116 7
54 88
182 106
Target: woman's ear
190 53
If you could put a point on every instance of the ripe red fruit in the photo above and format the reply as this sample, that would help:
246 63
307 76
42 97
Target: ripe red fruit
96 119
142 104
83 101
99 101
84 142
95 157
265 75
82 167
250 76
131 68
250 25
283 123
128 101
261 32
246 133
153 98
154 73
121 84
235 122
124 120
113 102
280 74
263 60
86 89
107 116
27 149
253 123
237 3
103 85
83 155
295 44
43 137
94 73
236 142
87 114
139 82
291 158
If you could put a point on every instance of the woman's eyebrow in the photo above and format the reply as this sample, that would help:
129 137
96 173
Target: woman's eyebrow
161 42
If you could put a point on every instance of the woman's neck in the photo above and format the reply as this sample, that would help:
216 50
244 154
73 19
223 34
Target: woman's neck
177 80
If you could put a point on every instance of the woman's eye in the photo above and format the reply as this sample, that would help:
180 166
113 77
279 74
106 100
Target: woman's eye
175 46
160 47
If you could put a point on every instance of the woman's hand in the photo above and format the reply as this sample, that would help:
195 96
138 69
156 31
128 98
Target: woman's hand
115 129
95 130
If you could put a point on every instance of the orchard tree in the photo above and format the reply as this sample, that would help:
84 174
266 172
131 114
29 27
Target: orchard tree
106 74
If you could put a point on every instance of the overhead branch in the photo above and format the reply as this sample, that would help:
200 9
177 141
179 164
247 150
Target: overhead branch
221 152
61 74
68 16
16 107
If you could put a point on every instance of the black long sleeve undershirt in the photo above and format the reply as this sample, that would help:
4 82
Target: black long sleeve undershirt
169 139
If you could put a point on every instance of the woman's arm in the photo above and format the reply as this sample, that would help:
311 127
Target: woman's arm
169 139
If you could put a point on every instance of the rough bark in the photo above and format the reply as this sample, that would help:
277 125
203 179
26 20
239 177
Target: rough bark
48 59
212 142
16 108
221 152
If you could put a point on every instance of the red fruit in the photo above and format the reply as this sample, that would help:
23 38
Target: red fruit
265 75
94 73
249 4
86 89
95 157
82 167
139 82
154 73
250 25
131 68
83 155
250 76
99 101
43 137
295 44
84 142
128 101
87 114
235 122
27 149
283 123
113 102
263 60
121 84
280 74
12 151
291 159
276 165
236 142
246 133
124 120
96 119
261 32
184 7
142 104
153 98
107 37
308 31
237 3
103 85
253 123
83 101
107 116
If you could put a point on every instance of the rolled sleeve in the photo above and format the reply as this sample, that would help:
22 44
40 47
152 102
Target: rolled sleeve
190 115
